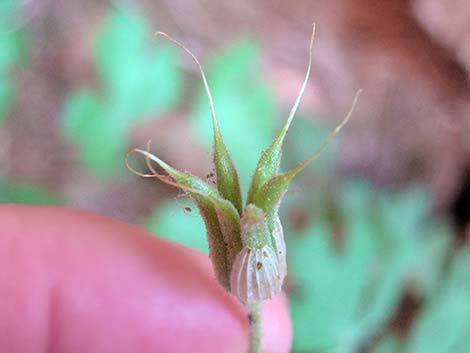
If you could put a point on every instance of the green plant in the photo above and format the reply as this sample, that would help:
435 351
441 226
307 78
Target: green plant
246 244
137 82
247 106
238 100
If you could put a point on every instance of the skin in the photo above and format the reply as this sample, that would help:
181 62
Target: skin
72 281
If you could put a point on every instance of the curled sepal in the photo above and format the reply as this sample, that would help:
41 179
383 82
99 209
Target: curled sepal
271 192
220 216
255 275
228 182
268 164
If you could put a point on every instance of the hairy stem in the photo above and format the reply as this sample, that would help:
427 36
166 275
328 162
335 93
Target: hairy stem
254 318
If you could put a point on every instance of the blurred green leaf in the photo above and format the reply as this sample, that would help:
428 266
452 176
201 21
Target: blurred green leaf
140 80
136 68
25 193
244 103
81 111
172 222
119 44
10 15
12 51
88 125
388 344
346 292
444 326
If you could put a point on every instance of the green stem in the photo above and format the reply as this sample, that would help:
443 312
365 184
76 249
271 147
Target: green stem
254 318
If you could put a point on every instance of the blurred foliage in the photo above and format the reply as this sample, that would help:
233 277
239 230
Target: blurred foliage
346 290
12 52
25 193
139 80
244 104
443 326
180 223
388 344
10 15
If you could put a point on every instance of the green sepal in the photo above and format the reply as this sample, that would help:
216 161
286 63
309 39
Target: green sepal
268 164
188 182
229 222
228 182
271 192
217 250
223 233
221 219
226 214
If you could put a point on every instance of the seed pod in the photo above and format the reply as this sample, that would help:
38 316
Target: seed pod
255 275
256 272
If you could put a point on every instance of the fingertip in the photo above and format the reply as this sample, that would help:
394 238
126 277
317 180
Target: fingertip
277 328
109 276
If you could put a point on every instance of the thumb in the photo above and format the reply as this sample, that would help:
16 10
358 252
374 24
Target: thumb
74 281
